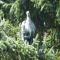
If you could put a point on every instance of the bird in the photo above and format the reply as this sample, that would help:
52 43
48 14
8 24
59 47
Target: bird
28 29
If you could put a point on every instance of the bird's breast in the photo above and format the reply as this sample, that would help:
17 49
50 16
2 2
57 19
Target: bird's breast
27 26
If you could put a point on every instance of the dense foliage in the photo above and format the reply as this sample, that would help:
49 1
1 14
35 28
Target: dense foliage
46 16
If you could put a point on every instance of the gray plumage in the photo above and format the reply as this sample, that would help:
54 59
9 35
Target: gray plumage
28 29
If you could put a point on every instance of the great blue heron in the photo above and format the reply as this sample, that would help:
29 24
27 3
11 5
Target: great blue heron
28 29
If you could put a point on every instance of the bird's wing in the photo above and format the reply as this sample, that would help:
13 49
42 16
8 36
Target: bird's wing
23 26
22 29
33 27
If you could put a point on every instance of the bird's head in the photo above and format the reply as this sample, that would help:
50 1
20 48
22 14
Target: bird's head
28 13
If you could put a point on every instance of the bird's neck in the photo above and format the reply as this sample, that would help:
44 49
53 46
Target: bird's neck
28 18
